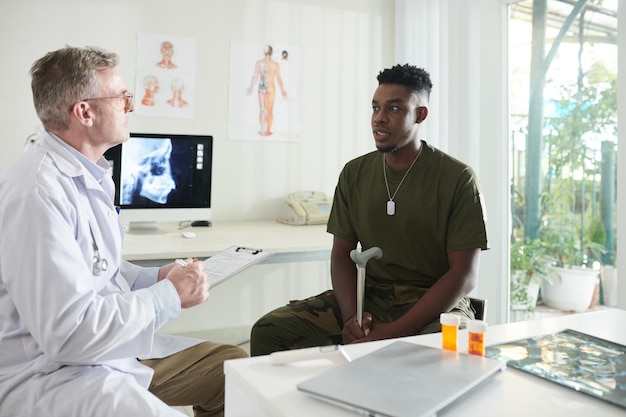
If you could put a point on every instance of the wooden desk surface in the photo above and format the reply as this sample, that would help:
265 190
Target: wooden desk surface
271 236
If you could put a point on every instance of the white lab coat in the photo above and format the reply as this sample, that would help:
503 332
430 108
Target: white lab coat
69 338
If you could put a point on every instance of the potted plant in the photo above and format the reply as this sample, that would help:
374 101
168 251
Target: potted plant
575 269
529 266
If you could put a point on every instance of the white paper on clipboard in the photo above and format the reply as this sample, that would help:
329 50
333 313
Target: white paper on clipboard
230 262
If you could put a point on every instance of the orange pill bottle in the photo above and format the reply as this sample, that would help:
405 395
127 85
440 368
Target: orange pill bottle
449 330
476 330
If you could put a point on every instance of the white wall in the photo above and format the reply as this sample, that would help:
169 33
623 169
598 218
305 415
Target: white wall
343 43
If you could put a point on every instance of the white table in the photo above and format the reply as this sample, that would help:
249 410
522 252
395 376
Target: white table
297 252
287 243
254 387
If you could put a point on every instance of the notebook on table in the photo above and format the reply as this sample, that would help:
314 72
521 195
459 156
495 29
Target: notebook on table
401 380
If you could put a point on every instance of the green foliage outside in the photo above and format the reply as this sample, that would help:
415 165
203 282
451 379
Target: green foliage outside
578 154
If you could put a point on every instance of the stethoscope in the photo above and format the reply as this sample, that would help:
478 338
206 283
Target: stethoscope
100 264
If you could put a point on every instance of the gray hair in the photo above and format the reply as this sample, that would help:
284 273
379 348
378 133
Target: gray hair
65 76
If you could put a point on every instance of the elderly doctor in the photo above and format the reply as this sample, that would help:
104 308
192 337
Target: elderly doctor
78 325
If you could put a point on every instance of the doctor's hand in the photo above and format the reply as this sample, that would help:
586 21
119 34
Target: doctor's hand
351 330
165 269
190 282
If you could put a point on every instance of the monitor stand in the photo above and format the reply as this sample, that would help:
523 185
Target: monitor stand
144 228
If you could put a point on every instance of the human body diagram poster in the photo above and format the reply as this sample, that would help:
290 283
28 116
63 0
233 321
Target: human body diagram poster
576 360
166 76
264 90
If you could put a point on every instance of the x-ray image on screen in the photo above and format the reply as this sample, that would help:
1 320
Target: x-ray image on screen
146 172
162 178
162 171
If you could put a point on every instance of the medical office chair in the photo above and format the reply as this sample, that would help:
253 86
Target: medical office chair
480 308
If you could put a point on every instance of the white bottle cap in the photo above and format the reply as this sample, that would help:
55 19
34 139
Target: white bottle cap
449 319
476 326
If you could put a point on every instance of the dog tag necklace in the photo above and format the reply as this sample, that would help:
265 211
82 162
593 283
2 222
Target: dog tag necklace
391 205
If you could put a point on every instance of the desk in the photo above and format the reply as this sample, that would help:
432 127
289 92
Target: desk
254 387
287 243
285 275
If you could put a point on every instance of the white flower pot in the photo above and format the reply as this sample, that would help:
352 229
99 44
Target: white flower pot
570 289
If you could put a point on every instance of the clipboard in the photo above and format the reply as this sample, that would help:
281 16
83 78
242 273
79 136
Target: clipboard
230 262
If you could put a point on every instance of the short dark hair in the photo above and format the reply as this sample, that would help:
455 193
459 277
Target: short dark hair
417 79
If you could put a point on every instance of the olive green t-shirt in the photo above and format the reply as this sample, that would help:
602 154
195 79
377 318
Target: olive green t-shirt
438 209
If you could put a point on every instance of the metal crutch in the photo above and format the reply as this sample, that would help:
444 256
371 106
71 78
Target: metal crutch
360 259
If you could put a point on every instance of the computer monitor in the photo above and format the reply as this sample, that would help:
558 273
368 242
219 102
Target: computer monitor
162 178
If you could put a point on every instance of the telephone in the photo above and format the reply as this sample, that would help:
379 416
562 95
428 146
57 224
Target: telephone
306 207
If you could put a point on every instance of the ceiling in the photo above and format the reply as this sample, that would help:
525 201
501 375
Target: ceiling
600 23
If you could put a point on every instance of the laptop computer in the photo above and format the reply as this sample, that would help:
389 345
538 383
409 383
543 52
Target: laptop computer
401 379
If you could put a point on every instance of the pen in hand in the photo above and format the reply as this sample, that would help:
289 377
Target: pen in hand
181 262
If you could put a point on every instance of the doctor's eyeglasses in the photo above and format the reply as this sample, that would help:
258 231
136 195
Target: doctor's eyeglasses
129 104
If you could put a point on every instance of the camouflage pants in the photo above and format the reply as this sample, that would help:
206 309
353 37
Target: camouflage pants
317 320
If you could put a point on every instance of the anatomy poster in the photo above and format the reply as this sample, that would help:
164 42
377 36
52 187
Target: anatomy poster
166 76
264 91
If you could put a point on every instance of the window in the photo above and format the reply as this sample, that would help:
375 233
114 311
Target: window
563 131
